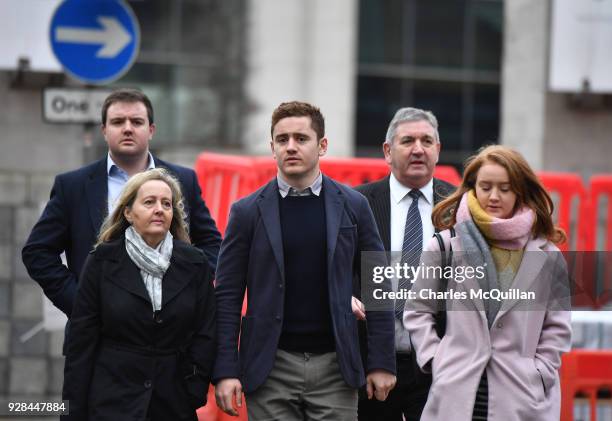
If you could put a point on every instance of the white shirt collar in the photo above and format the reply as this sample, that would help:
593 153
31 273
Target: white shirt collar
110 163
399 191
284 187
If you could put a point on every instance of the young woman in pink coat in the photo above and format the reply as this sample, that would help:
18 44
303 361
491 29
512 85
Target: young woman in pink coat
507 323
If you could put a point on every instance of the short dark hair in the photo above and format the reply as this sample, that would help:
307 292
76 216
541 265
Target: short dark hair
300 109
127 95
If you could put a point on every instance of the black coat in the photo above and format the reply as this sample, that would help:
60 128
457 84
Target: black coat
123 361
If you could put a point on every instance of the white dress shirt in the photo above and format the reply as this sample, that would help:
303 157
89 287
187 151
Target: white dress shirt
400 203
117 179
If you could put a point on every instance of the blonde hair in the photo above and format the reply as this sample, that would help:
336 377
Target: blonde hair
115 224
523 182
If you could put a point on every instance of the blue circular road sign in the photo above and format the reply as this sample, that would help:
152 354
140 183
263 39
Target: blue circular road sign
96 41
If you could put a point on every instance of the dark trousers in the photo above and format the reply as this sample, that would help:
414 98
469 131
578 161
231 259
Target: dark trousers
407 399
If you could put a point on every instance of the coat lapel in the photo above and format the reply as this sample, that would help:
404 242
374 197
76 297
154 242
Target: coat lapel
181 271
380 203
97 194
270 215
334 206
531 266
125 274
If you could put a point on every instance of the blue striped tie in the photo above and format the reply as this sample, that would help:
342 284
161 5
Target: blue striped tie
412 246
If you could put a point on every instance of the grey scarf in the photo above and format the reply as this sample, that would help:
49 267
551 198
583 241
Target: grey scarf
152 262
477 253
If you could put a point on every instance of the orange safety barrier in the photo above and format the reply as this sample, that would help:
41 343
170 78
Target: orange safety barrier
584 373
210 412
226 178
569 187
601 186
352 171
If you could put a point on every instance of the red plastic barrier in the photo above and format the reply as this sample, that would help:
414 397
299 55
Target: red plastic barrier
226 178
351 171
211 412
585 373
569 187
601 185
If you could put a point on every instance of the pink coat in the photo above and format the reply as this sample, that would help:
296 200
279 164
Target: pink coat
521 352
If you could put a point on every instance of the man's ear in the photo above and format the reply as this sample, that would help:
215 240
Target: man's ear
272 149
387 152
103 131
322 146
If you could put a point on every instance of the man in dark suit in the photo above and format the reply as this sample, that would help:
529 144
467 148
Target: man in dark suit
80 200
295 246
411 149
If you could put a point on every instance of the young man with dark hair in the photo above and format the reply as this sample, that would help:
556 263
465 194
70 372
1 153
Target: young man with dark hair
295 246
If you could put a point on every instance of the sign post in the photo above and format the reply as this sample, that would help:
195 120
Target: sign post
96 41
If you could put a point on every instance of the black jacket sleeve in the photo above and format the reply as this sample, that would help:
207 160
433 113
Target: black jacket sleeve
41 254
202 228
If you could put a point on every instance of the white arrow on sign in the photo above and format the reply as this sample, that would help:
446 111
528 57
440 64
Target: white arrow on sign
112 36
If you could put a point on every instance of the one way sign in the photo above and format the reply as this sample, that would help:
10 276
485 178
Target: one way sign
95 40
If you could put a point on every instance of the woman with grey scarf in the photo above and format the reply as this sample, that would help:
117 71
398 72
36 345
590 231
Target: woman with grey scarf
141 340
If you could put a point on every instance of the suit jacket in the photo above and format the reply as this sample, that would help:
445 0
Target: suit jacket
122 359
378 194
72 218
521 352
251 258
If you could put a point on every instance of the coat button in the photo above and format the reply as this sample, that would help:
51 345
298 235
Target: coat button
278 318
157 317
500 325
148 384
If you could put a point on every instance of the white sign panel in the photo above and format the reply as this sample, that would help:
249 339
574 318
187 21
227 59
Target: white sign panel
581 46
65 105
24 34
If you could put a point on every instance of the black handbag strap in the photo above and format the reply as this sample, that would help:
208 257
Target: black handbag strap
445 259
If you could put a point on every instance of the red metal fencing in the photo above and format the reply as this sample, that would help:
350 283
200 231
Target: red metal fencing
226 178
584 376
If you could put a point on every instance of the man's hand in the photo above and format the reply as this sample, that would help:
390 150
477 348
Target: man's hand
379 384
358 308
225 392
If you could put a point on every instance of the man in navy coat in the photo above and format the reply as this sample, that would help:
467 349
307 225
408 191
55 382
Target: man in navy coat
295 246
80 200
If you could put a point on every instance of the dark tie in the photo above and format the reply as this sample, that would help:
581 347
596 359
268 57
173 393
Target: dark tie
412 246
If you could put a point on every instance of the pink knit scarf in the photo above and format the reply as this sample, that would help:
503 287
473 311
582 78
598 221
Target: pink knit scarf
510 234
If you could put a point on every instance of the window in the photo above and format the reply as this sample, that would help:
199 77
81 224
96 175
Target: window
441 55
